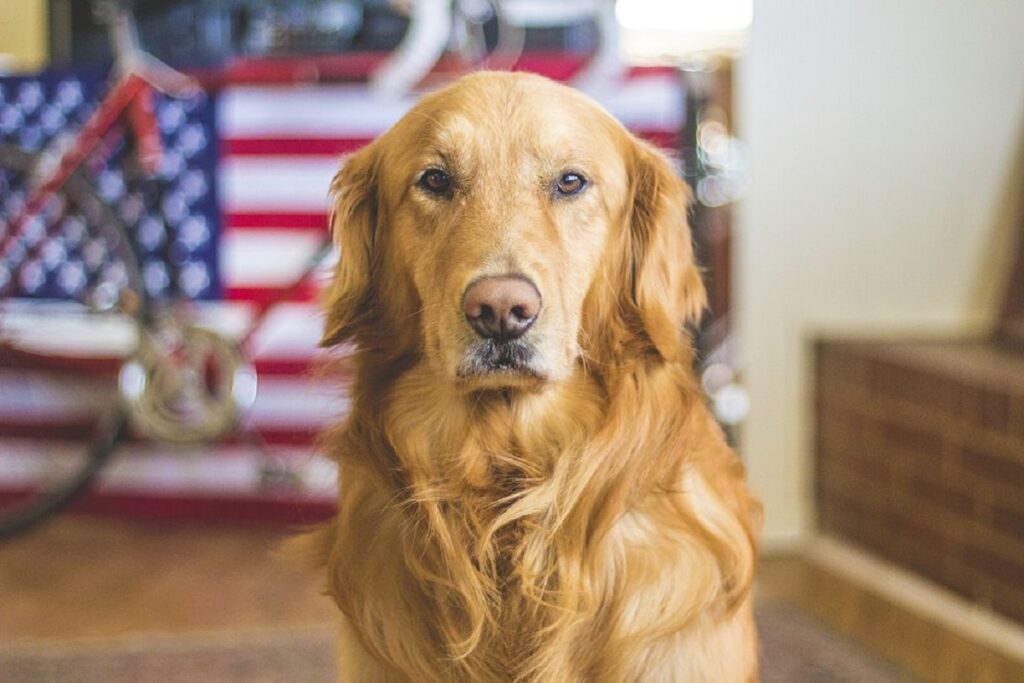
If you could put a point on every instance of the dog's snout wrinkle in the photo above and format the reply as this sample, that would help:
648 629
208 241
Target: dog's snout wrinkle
501 307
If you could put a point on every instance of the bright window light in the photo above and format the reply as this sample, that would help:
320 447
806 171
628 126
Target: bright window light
677 30
685 15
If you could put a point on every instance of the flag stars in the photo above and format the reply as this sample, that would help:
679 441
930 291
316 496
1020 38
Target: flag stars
167 219
72 278
194 278
194 233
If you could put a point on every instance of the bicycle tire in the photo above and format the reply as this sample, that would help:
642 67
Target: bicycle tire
40 501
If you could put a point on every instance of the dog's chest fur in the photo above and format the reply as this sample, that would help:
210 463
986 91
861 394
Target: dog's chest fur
517 541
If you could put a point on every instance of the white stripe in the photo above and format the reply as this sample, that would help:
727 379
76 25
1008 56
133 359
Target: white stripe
141 468
285 402
307 111
281 402
40 396
66 329
646 102
290 330
276 183
266 258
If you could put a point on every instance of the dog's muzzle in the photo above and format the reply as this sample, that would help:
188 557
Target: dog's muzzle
501 308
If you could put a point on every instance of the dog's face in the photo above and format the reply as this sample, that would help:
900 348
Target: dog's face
498 221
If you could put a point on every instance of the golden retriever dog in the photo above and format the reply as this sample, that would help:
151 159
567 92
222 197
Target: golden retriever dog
531 486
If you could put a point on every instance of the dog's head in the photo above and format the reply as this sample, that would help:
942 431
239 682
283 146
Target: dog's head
507 228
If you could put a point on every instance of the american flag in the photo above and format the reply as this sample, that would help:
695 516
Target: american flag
172 218
268 153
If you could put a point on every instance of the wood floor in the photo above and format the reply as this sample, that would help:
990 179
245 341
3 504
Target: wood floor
86 579
83 577
922 646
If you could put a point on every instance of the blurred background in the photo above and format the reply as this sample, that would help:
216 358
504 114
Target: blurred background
858 169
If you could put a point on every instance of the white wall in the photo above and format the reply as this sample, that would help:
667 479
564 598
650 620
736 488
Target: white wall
883 134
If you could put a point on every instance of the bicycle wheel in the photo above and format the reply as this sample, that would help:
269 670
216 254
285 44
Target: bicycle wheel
71 303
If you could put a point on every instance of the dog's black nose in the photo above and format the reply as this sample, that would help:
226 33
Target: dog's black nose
501 307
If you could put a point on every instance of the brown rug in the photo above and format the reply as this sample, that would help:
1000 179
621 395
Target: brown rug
796 649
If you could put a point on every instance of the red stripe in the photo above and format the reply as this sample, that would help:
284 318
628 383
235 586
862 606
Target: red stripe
286 367
99 367
291 146
558 66
357 67
262 296
665 139
634 72
347 67
77 430
279 508
65 365
243 220
288 147
50 428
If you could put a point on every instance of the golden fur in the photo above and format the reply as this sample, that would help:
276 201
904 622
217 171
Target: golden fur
580 521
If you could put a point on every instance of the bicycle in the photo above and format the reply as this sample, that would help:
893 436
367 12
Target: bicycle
167 377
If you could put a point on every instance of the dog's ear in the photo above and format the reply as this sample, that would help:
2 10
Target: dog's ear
353 222
666 286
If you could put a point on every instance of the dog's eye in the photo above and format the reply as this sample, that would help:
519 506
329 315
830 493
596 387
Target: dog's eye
570 184
435 181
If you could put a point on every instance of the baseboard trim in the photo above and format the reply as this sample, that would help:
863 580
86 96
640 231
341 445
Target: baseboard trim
907 590
924 629
782 543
